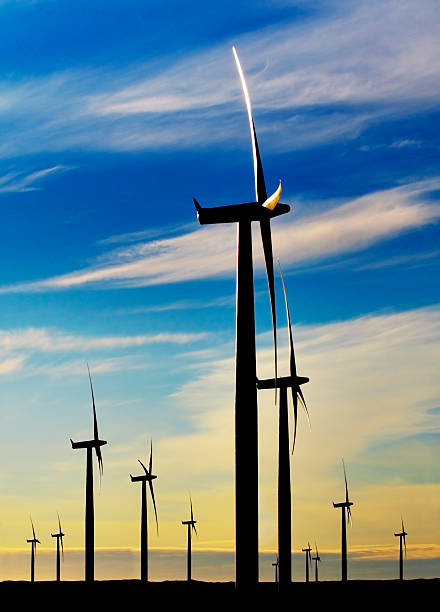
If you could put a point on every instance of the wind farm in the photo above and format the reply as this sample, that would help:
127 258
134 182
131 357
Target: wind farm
139 235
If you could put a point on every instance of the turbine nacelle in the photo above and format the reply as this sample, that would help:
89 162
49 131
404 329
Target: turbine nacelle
283 382
143 478
35 541
345 504
234 213
88 443
58 535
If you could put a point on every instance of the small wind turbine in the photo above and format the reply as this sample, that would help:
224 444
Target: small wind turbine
345 506
33 542
308 561
317 560
275 565
147 477
402 535
292 382
191 524
96 444
59 536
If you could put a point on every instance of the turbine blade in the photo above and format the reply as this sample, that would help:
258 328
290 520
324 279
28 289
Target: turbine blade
150 465
260 186
350 519
100 463
191 504
62 547
304 405
266 239
194 529
289 327
59 523
33 529
346 486
154 505
295 416
404 542
145 469
95 420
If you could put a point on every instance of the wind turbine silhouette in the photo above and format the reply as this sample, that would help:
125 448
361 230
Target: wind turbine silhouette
59 536
263 209
147 477
191 525
293 382
345 506
33 542
317 560
96 444
402 535
308 561
275 565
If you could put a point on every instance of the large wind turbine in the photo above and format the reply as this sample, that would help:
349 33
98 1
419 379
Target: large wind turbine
402 536
345 509
59 536
147 477
33 542
96 444
191 526
317 560
263 209
293 382
308 561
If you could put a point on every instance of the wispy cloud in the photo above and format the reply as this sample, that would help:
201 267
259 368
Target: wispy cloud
220 302
209 251
356 63
21 181
50 340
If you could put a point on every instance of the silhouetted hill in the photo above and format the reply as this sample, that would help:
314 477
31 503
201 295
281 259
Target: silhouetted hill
126 595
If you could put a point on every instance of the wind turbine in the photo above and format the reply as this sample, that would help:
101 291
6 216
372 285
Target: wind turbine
147 477
262 210
402 535
59 536
96 444
275 565
317 560
294 383
33 542
191 525
308 561
345 509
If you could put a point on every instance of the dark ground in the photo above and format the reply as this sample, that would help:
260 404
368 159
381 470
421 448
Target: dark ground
132 594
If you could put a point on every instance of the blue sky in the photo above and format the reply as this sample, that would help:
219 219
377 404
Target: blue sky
113 116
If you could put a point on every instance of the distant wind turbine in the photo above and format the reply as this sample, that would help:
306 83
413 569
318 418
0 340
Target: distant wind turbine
59 536
308 561
147 477
345 509
293 382
33 542
191 524
402 535
96 444
316 559
275 565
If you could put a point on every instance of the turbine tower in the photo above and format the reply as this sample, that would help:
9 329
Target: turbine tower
96 444
147 477
191 525
59 536
262 210
308 561
317 560
33 542
275 565
294 383
345 509
402 535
